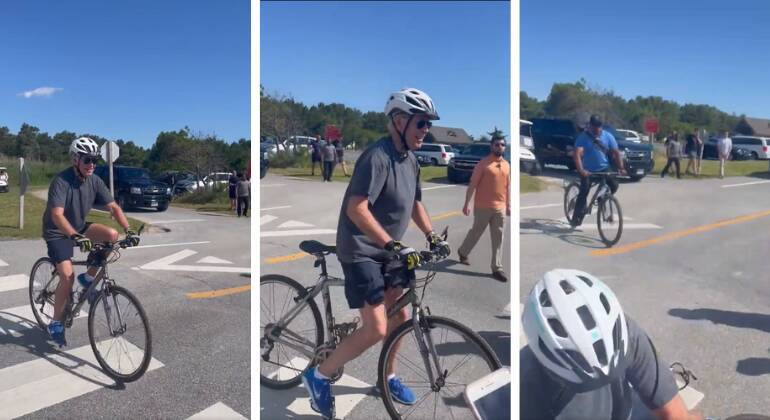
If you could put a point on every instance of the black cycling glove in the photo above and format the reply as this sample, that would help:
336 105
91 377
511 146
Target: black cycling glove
437 243
82 242
407 254
132 237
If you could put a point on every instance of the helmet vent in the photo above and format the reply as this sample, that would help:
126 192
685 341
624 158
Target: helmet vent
557 327
545 300
601 354
568 288
605 303
616 334
547 353
579 359
412 101
586 280
585 315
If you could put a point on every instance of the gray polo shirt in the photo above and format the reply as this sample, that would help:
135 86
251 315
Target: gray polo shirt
653 384
76 198
391 182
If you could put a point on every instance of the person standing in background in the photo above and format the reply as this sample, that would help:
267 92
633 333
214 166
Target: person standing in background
329 155
673 152
340 153
724 147
315 155
232 183
244 195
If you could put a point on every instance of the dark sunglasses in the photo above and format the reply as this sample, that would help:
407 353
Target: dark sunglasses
87 160
421 124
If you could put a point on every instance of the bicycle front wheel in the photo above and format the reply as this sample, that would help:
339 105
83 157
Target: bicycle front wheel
285 348
120 334
462 357
43 281
609 220
570 199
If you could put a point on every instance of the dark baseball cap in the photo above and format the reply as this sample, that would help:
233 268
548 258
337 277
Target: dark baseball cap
595 121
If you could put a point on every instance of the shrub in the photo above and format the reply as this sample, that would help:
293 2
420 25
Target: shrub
301 159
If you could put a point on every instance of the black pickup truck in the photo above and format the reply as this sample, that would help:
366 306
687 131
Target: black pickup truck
461 166
135 188
554 141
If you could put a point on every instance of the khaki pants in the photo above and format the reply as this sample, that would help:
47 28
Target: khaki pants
482 218
722 162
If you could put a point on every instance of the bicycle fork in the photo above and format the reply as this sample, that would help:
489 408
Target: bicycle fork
428 351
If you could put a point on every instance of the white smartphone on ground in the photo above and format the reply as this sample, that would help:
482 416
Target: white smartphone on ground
490 397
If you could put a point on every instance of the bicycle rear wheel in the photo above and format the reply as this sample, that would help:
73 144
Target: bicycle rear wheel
570 198
609 220
43 281
282 363
119 333
463 357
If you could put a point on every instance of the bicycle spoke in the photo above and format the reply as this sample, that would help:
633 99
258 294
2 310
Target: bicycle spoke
416 404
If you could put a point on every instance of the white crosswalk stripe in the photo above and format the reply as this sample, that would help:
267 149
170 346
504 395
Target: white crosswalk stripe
290 228
24 319
31 386
14 282
218 411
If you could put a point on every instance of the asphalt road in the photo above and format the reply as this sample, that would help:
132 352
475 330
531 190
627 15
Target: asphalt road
293 210
200 345
691 268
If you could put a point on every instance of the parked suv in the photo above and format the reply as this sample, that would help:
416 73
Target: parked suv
757 146
135 188
554 140
3 180
437 154
460 168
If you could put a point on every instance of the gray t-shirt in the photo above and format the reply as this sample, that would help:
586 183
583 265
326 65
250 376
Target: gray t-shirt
542 397
76 198
329 153
391 182
243 188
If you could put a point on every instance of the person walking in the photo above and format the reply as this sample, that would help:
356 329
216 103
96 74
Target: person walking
340 153
489 183
244 195
329 155
699 152
724 147
232 183
315 155
673 153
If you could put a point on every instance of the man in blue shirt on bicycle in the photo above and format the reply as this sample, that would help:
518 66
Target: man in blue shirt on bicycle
71 195
384 194
591 149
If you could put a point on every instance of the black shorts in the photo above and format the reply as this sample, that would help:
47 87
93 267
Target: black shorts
365 282
63 249
231 193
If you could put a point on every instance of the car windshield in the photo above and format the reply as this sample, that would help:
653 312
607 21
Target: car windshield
477 150
133 173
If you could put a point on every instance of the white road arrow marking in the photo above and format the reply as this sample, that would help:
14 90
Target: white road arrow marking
294 224
266 219
167 264
587 225
3 263
213 260
218 411
14 282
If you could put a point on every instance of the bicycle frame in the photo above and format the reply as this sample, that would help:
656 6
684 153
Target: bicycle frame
600 191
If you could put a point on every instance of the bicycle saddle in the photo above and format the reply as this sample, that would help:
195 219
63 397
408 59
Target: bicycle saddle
315 247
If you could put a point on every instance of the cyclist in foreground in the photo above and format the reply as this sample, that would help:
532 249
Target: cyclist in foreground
71 196
384 194
591 149
585 355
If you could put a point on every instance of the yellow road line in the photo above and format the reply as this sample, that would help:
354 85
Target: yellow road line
218 293
286 258
678 234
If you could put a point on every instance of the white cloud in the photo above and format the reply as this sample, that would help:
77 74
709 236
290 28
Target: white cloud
44 91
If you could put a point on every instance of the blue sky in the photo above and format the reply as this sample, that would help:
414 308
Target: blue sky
357 53
702 52
126 69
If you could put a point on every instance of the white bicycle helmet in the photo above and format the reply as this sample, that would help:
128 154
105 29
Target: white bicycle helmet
84 146
575 327
412 101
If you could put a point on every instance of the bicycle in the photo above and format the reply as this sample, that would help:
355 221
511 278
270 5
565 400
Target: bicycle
609 217
442 347
123 314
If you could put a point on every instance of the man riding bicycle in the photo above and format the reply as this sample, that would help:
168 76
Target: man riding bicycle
383 195
586 359
71 195
591 149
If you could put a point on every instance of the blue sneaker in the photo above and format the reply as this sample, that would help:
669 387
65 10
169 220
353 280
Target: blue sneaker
91 297
320 391
400 392
56 331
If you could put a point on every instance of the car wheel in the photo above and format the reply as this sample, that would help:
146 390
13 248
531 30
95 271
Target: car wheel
636 178
754 156
536 169
163 207
262 172
122 202
434 161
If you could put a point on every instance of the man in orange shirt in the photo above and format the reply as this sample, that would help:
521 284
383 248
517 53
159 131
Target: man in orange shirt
490 182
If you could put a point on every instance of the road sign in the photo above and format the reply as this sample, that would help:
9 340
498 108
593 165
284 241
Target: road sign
109 155
651 125
332 132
